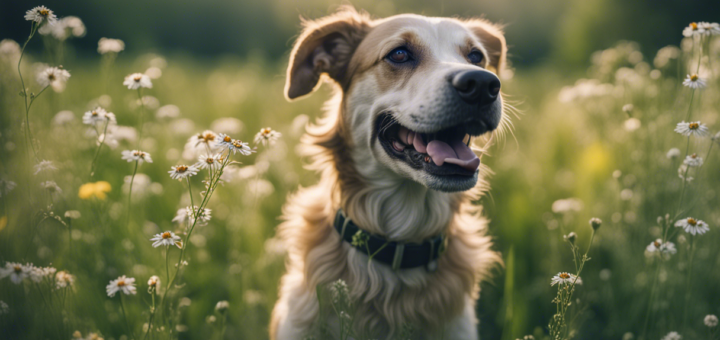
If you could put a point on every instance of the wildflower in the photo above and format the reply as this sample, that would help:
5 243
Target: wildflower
632 124
210 319
4 308
168 111
6 187
193 213
565 279
44 166
137 80
51 187
15 271
209 161
693 30
628 108
136 156
672 336
710 320
595 223
222 306
123 284
36 274
692 129
53 76
673 153
107 45
682 170
98 115
181 172
63 279
567 205
64 28
72 214
267 136
692 226
694 82
167 238
571 237
693 161
77 335
40 15
97 190
233 145
154 282
206 138
710 28
9 50
339 291
658 246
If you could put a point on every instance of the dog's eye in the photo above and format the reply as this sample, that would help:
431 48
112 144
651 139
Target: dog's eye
399 55
475 57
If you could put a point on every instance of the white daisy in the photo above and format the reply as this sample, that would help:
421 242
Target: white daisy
693 226
682 170
672 336
693 30
222 306
16 271
710 320
659 247
44 166
107 45
234 145
167 238
4 308
154 282
203 216
6 187
97 116
63 279
181 215
41 14
53 76
136 156
36 274
692 129
180 172
209 161
694 82
51 187
137 80
693 161
673 153
267 136
710 28
565 279
123 284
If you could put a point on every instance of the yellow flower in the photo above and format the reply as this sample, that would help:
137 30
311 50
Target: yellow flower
97 189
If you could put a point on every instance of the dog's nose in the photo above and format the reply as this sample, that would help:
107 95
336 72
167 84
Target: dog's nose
477 86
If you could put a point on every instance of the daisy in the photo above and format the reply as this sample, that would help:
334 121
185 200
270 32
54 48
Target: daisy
222 306
44 166
181 172
672 336
41 14
692 226
682 170
63 279
673 153
98 115
693 30
692 129
267 136
123 284
693 161
51 187
167 238
203 216
154 282
209 161
6 186
710 28
710 320
137 80
136 156
180 216
658 246
694 82
36 274
233 145
107 45
564 279
15 271
53 76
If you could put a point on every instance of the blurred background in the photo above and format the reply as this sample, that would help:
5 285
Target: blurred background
220 65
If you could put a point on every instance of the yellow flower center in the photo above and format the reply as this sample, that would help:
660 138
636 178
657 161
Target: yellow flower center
237 143
137 78
166 235
694 26
121 283
207 137
693 156
227 139
693 126
691 221
694 77
94 113
657 244
51 76
266 131
209 161
17 269
564 276
181 168
44 12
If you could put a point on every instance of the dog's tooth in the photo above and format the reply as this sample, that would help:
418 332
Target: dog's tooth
398 146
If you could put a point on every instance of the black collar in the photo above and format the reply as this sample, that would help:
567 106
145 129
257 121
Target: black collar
398 255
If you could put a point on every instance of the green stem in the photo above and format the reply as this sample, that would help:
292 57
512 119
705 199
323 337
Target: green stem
142 117
152 315
97 152
127 324
688 283
132 179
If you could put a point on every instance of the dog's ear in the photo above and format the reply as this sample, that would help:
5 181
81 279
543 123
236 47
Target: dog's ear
325 46
493 39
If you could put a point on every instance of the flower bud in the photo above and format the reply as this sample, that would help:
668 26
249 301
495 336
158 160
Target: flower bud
595 223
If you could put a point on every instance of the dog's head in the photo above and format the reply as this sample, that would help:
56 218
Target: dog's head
415 89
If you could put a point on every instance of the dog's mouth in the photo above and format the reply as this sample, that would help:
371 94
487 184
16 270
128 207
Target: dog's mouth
445 152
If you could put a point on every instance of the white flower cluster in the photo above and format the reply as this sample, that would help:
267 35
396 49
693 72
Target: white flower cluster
17 273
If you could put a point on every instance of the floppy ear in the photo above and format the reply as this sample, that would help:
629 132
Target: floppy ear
325 46
493 39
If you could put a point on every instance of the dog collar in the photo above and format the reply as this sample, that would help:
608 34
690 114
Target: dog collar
398 255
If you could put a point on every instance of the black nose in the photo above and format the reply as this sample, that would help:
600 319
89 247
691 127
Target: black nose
477 86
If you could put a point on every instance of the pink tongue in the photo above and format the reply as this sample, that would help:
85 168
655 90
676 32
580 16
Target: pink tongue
459 154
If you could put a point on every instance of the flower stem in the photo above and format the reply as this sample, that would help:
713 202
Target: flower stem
688 283
127 324
142 117
97 152
132 179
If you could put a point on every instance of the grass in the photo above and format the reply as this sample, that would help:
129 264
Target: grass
583 146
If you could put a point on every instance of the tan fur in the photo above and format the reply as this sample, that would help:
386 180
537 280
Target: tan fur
369 194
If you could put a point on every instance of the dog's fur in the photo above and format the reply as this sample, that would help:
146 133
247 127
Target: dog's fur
379 194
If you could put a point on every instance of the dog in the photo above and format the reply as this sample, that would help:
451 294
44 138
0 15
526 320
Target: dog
396 168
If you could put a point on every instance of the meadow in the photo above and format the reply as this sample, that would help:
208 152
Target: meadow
601 143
